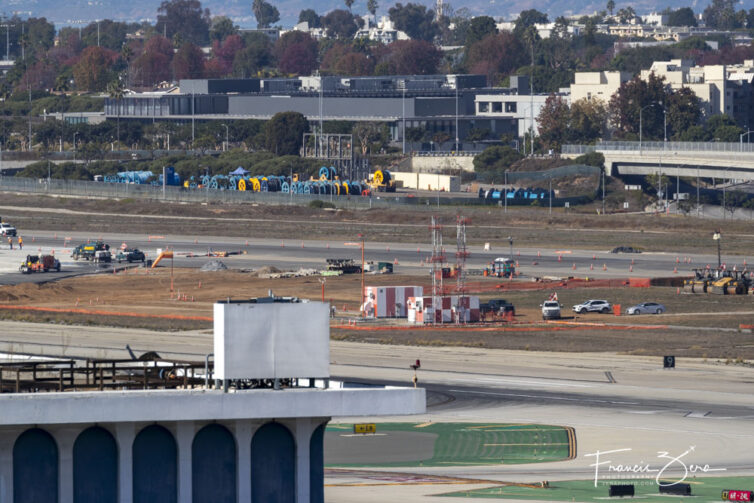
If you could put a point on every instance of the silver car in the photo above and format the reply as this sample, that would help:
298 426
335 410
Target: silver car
646 308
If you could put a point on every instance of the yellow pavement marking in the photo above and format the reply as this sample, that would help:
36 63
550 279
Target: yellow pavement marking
424 425
540 443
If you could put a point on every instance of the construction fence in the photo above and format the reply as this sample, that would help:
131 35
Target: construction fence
82 188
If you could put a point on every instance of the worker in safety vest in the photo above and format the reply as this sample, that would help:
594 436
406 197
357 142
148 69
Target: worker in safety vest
20 243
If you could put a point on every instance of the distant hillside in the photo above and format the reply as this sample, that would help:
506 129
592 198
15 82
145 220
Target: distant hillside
240 10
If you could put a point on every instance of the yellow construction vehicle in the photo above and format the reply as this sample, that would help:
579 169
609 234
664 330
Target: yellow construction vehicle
381 181
700 282
731 283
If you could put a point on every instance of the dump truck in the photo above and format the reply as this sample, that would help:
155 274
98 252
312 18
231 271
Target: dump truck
39 263
87 251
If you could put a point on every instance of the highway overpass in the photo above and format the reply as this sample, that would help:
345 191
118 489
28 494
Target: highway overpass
692 159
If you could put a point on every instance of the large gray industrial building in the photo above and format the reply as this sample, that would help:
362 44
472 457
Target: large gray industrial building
436 103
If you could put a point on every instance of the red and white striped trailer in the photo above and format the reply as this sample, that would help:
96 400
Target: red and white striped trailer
451 309
389 301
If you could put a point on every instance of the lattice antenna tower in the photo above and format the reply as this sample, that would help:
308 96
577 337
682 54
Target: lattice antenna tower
439 9
437 259
462 253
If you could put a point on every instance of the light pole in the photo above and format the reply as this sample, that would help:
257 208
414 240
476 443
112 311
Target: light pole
456 113
741 139
403 105
716 236
697 191
74 145
505 199
641 111
510 242
226 137
7 40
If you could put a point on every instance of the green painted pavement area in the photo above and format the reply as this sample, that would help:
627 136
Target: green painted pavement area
703 489
474 444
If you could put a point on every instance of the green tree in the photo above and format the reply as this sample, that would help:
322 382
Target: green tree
221 28
627 14
610 6
682 17
115 91
255 56
683 110
588 121
720 14
553 120
410 57
492 163
266 13
528 18
349 4
478 28
632 97
311 17
372 7
185 17
284 133
415 20
340 23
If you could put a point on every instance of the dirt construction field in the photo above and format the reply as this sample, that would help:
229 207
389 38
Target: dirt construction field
695 325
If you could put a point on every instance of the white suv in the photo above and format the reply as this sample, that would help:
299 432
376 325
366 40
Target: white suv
7 230
551 310
593 306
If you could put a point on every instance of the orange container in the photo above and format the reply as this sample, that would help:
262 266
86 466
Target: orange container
616 309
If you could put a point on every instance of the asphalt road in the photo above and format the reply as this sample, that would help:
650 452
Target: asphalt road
411 258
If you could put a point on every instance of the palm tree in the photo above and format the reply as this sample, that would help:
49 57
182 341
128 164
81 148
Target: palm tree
611 6
115 90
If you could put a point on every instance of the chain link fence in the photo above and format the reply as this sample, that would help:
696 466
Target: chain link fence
81 188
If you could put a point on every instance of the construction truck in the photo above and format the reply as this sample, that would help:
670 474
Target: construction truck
731 283
39 263
501 268
89 250
701 281
345 265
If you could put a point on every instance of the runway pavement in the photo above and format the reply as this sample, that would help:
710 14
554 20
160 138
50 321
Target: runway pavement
411 258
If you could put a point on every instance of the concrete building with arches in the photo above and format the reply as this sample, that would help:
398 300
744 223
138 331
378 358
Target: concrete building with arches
226 444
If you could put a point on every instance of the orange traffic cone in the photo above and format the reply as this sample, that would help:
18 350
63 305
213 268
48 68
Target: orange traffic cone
591 267
574 266
395 262
630 268
675 270
604 267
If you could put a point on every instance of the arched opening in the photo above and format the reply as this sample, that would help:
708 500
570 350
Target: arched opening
95 467
213 465
317 465
273 465
155 466
35 467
